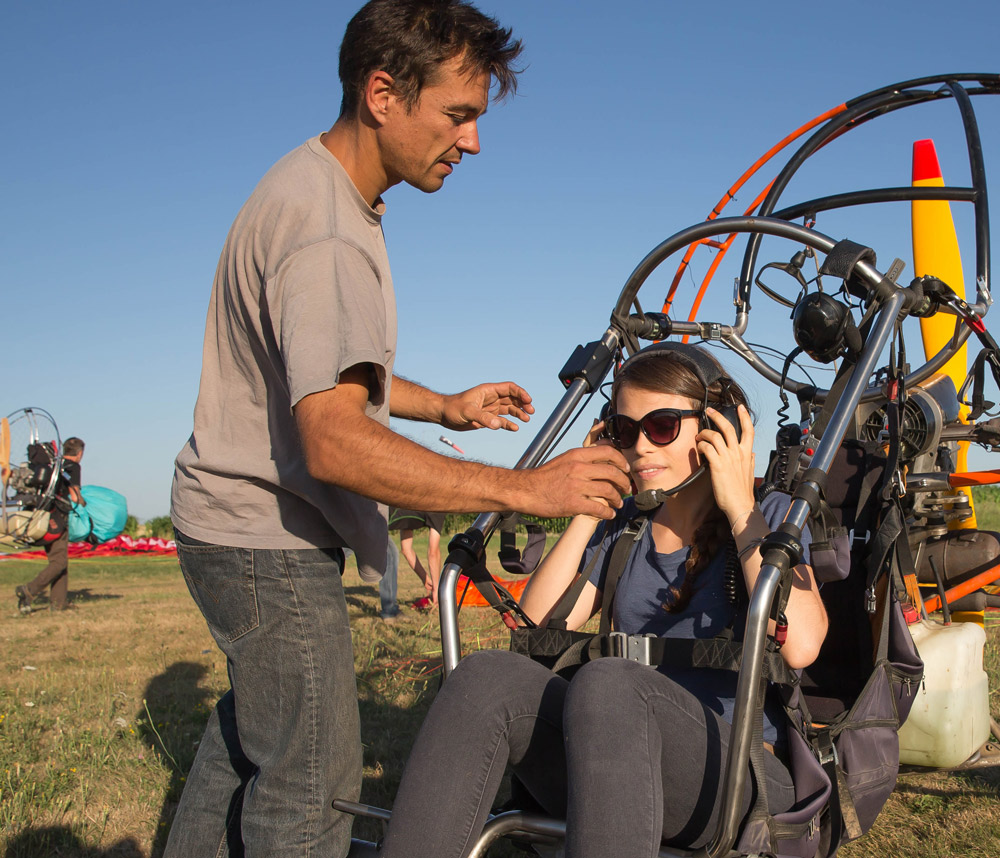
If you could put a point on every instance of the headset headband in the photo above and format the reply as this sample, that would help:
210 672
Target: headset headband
706 368
708 371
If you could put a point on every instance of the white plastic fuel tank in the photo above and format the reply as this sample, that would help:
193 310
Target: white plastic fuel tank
950 718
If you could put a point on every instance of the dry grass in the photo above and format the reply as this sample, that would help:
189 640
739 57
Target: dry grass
101 709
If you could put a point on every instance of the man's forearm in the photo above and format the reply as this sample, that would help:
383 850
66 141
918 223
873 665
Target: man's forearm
411 401
376 462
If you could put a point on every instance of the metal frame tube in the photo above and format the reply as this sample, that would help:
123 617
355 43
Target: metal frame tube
451 646
976 164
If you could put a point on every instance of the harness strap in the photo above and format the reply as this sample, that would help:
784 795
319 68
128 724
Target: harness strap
843 813
497 596
717 653
616 566
568 601
833 396
759 813
515 561
841 262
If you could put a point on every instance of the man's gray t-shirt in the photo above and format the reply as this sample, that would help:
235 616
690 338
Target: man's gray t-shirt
302 292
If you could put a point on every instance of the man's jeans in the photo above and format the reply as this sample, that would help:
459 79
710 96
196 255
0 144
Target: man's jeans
284 741
389 607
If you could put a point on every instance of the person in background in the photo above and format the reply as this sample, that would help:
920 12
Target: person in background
406 521
388 605
55 575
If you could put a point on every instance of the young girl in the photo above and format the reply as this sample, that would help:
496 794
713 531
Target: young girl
628 754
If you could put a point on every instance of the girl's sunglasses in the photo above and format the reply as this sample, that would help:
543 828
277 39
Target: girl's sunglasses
661 426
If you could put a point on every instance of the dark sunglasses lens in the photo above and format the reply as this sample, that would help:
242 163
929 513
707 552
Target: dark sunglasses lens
624 431
661 428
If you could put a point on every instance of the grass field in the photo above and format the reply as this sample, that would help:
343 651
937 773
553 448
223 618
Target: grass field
101 709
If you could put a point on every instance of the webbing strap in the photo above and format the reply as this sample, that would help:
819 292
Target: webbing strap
568 601
616 567
833 396
843 813
760 809
718 653
518 562
496 595
841 262
620 553
979 404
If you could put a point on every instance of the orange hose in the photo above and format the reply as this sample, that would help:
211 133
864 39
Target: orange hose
730 195
974 478
963 589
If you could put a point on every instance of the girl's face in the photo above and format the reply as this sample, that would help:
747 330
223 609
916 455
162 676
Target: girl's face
654 467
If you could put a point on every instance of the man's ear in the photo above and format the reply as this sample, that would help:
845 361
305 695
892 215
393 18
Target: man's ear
380 92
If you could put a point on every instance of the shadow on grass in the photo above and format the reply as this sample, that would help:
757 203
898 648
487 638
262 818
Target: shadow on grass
88 595
42 602
977 783
172 720
62 840
179 708
361 597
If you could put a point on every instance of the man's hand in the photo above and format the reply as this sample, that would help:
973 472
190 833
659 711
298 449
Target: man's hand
485 405
585 481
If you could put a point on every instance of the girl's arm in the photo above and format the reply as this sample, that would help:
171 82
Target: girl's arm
731 463
556 574
806 615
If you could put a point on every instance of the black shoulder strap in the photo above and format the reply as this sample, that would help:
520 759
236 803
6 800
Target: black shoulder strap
616 567
572 596
620 552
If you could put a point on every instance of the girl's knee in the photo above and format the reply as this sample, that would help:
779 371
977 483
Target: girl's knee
483 676
613 686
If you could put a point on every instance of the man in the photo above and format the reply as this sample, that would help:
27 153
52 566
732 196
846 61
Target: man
291 457
56 540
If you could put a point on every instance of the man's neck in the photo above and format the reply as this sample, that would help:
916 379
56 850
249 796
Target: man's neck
353 144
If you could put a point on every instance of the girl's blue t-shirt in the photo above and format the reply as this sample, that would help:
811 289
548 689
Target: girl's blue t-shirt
645 586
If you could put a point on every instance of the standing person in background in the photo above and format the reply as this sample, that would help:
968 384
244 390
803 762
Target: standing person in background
406 521
388 605
56 540
291 458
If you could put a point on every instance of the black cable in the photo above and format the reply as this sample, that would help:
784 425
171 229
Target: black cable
785 405
580 409
798 364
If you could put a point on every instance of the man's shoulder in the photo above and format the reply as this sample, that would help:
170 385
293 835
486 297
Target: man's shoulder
305 198
300 174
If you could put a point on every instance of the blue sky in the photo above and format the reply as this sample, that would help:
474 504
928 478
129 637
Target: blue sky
133 133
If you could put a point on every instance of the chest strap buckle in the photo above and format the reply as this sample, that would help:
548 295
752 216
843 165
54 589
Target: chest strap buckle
633 647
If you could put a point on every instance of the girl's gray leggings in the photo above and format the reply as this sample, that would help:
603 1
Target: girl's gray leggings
627 756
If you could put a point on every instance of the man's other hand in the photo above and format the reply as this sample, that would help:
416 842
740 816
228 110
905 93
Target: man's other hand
485 407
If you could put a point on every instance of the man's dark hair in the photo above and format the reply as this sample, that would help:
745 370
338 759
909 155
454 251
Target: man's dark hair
72 446
409 39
